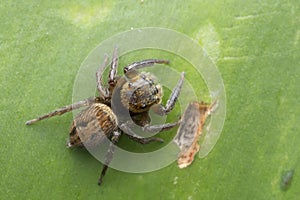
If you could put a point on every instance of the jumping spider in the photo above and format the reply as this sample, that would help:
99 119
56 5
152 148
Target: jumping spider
137 92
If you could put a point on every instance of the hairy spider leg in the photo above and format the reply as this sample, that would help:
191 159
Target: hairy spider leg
159 127
65 109
144 140
103 91
113 70
174 96
131 135
141 64
106 92
126 127
109 155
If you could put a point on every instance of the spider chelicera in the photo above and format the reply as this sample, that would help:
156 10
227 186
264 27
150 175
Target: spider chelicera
136 92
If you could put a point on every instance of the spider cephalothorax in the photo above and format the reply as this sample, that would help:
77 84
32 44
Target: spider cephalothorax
136 92
140 92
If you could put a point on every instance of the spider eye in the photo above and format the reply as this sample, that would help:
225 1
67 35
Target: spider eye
156 90
143 76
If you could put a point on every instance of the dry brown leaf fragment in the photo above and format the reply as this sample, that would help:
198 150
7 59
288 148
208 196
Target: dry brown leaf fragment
189 131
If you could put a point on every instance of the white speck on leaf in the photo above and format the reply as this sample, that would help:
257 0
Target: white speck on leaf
208 38
175 180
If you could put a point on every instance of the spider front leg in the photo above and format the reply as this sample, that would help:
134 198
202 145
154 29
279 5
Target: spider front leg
65 109
140 140
109 155
141 64
163 110
159 127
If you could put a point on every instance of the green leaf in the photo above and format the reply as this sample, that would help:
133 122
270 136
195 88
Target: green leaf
255 45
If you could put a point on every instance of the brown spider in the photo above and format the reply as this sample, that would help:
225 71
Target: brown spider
134 93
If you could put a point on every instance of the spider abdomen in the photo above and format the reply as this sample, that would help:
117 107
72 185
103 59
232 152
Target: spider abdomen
92 125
